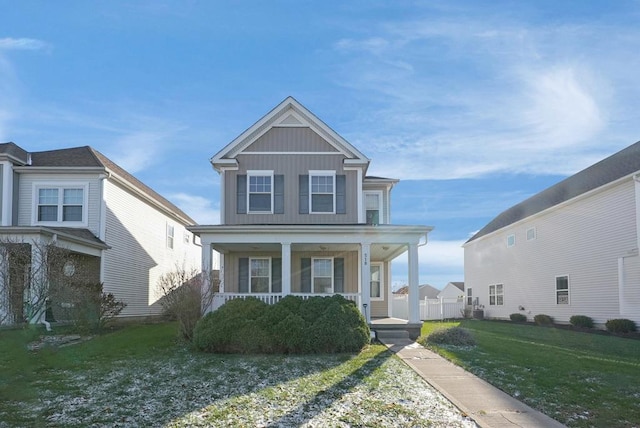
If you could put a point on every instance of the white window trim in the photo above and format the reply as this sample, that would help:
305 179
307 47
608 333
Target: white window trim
313 274
535 233
60 185
511 240
250 276
469 295
381 219
172 235
495 294
382 283
555 287
259 173
323 173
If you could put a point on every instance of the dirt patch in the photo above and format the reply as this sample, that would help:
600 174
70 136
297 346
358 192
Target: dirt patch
57 341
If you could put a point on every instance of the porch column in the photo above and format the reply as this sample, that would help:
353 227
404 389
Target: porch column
221 273
286 268
365 279
206 274
414 294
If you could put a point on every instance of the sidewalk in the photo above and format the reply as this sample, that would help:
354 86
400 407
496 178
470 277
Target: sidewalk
488 406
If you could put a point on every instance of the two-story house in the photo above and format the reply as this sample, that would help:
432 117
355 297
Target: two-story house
571 249
300 216
118 230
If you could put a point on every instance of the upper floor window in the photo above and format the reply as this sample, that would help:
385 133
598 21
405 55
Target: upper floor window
531 234
60 204
322 191
373 207
511 240
170 235
469 296
562 290
496 295
260 191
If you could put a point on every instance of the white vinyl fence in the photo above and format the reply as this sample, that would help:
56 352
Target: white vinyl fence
430 309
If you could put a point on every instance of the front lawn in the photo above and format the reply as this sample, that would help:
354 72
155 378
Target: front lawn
580 379
140 376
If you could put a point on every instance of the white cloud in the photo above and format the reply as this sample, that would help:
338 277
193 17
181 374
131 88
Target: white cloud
9 43
197 207
137 150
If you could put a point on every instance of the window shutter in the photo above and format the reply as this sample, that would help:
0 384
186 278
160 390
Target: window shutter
241 194
341 197
243 275
276 275
305 275
278 194
303 195
338 275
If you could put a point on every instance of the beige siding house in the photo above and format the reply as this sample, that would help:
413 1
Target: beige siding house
119 231
571 249
300 216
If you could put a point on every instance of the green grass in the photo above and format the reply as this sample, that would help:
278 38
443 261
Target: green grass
580 379
142 376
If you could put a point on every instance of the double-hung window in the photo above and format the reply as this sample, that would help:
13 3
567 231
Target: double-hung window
60 204
376 281
322 192
260 275
373 207
170 235
260 191
322 275
496 295
562 290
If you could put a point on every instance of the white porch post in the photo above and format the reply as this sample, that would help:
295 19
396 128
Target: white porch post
206 273
414 301
286 268
365 279
221 273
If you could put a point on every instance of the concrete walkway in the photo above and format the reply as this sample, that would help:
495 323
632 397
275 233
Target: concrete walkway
488 406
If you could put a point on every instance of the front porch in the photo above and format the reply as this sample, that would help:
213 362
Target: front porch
220 299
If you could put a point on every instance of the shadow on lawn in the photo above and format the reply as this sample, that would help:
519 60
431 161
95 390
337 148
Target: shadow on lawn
326 397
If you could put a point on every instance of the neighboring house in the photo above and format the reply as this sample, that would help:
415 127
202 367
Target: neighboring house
118 230
453 290
300 216
425 291
571 249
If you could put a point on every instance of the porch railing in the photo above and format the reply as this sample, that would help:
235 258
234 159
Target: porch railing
220 299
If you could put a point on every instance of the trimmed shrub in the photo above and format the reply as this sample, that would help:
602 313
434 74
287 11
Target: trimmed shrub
456 336
293 325
518 317
542 319
582 321
621 325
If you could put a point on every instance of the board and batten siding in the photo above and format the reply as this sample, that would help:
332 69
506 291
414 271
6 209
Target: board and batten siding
291 166
231 268
137 234
27 201
582 239
287 139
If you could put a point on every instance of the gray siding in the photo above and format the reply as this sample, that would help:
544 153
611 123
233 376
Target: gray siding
288 139
583 239
350 268
291 166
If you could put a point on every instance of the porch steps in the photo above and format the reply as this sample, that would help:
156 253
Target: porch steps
392 334
394 330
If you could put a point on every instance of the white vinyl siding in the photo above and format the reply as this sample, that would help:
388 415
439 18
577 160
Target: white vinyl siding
139 253
583 239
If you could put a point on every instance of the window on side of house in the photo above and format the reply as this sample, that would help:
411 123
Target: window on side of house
170 235
531 234
373 207
186 237
322 275
260 191
562 290
511 240
60 204
376 282
259 275
496 295
322 192
469 297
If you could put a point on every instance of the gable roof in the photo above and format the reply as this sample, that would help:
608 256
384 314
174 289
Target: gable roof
616 166
12 150
88 157
288 113
459 285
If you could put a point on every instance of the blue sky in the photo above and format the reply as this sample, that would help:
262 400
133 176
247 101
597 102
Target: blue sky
473 105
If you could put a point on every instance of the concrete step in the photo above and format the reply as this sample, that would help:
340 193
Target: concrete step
392 334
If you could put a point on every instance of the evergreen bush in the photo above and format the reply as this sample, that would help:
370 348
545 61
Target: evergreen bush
582 321
516 317
456 336
621 325
542 319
